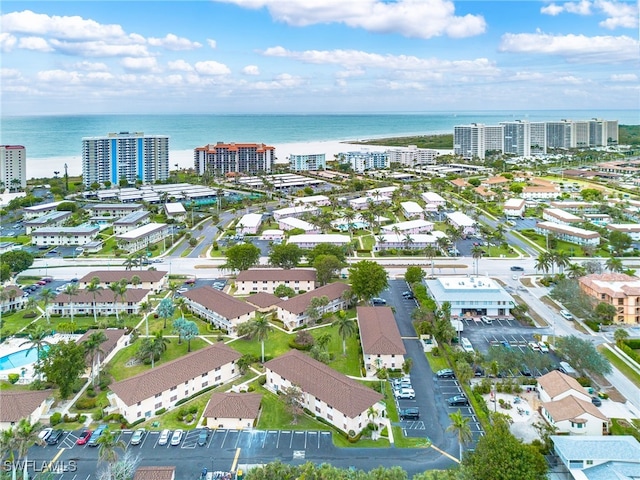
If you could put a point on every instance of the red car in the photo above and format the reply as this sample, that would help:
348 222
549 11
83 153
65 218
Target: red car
84 437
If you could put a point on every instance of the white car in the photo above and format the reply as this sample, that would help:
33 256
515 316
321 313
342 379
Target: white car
566 314
535 346
164 437
486 320
406 393
176 438
543 347
44 434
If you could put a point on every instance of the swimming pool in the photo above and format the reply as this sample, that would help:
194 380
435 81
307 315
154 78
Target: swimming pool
19 358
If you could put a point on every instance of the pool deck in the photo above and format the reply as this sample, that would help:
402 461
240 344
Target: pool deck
15 344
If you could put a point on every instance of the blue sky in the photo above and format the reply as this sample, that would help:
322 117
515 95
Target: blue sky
307 56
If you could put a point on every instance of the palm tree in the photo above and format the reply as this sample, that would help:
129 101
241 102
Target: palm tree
46 295
576 270
108 443
614 264
36 338
407 241
460 426
93 349
135 281
71 290
122 292
620 335
346 328
349 217
543 262
455 234
8 443
561 259
181 302
94 289
26 435
152 347
258 328
144 309
442 243
430 252
115 289
476 253
166 309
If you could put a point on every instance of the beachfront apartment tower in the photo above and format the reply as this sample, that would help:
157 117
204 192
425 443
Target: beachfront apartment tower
517 137
224 158
13 167
469 140
131 156
412 156
307 162
365 160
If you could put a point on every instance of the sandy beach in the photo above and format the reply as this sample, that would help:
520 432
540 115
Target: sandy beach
44 167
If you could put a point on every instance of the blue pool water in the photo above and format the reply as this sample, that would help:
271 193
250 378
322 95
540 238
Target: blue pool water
19 359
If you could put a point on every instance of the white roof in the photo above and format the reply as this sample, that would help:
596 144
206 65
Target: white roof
174 208
42 206
320 238
250 220
141 231
312 199
461 219
568 229
408 225
562 215
515 203
416 237
294 210
432 197
411 207
297 223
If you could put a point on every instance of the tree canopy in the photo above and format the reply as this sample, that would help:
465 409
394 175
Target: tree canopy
582 355
16 261
63 364
368 279
285 256
326 267
242 257
414 274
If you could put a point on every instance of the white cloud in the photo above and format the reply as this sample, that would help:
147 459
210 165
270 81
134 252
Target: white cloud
136 64
72 28
180 65
357 59
212 43
10 73
618 14
624 77
575 48
90 66
211 67
173 42
351 72
7 42
34 43
410 18
99 49
251 70
282 81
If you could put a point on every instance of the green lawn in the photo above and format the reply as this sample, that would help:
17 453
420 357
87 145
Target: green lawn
349 365
436 363
274 416
13 322
119 371
84 322
368 241
626 370
157 324
277 344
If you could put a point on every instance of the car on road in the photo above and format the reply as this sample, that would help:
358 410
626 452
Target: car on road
84 437
176 438
44 434
445 373
95 436
138 436
408 295
457 400
566 314
164 437
55 436
406 393
409 413
516 268
203 436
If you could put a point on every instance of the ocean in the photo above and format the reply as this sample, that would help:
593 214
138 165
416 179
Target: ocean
52 141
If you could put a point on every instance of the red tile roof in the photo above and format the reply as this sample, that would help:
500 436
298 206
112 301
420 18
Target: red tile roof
315 378
155 473
379 331
173 373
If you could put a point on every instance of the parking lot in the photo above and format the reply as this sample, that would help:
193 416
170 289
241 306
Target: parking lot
450 387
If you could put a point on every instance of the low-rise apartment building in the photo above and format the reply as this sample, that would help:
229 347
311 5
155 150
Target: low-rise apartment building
249 224
309 241
101 302
296 211
363 203
154 280
218 308
267 280
317 200
382 345
29 404
131 222
330 395
631 229
293 223
409 241
409 227
294 312
514 207
143 237
540 193
463 222
617 289
556 215
39 210
53 236
51 219
568 233
117 210
234 411
162 387
433 198
13 298
412 210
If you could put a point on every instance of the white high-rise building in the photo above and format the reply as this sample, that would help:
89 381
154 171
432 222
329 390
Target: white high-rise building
412 156
131 156
365 160
13 167
469 140
517 137
307 162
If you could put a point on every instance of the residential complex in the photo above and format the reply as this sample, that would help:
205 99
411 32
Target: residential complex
307 163
617 289
524 138
13 167
229 158
130 156
365 160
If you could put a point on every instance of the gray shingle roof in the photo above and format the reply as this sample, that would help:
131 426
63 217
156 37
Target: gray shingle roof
16 405
300 303
219 302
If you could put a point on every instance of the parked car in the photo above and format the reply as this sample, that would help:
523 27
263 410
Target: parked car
84 437
457 400
164 437
486 320
378 302
407 393
596 401
445 373
55 436
535 346
95 436
516 268
176 438
203 436
44 434
543 347
138 436
524 370
409 413
408 295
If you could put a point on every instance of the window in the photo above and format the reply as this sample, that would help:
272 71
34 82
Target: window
172 389
218 378
329 416
158 405
174 398
157 395
205 384
203 375
317 409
